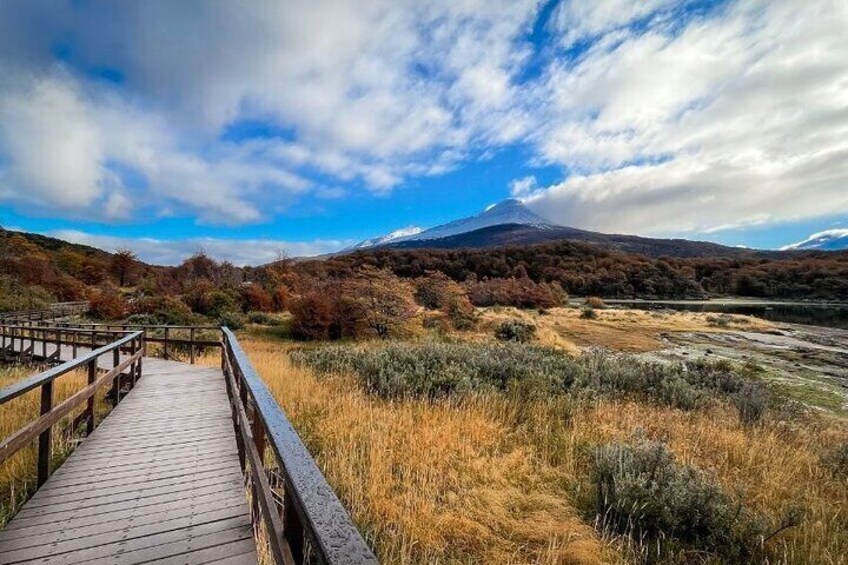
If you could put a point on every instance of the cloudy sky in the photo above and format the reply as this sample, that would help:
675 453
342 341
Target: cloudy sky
251 128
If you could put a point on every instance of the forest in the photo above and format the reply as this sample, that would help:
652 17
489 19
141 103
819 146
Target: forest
36 270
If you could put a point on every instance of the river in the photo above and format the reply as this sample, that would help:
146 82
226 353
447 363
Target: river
810 313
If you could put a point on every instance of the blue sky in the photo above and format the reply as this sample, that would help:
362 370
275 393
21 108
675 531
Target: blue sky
302 127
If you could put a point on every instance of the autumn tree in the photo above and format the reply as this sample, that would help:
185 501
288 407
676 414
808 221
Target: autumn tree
378 303
123 266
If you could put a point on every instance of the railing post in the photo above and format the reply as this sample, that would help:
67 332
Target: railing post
89 409
116 383
45 440
191 336
140 346
74 341
166 344
292 528
257 431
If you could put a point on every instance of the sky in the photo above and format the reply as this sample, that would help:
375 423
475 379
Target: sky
252 129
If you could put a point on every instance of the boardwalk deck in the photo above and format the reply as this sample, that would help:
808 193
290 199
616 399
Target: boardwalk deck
158 481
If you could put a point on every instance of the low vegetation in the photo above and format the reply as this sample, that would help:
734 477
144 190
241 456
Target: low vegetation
618 466
515 330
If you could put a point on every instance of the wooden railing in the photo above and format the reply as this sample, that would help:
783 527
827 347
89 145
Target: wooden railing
33 340
303 519
312 525
56 311
172 338
131 344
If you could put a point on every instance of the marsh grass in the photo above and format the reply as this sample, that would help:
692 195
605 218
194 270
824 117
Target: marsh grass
18 473
499 477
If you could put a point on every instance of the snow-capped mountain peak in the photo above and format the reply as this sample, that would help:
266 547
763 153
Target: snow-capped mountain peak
828 240
506 212
388 238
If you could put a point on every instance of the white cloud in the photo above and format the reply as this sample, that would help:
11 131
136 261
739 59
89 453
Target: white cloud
374 91
174 251
733 120
523 186
53 148
664 123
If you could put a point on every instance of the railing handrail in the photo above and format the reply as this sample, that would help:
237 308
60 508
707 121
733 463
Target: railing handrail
50 310
69 328
50 414
51 374
143 326
324 520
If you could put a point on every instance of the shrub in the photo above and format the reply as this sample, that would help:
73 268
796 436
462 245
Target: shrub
260 318
642 492
107 305
751 401
515 330
626 374
438 369
749 396
836 460
160 310
15 296
233 320
721 321
595 302
460 312
520 293
588 313
316 314
376 303
255 298
372 303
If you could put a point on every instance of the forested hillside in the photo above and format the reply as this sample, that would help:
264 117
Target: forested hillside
583 269
35 270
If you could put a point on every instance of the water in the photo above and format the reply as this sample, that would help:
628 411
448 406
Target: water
812 314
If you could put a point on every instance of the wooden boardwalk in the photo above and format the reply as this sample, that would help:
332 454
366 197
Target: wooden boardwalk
158 481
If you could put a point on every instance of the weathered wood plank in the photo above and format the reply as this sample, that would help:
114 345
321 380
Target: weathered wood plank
158 481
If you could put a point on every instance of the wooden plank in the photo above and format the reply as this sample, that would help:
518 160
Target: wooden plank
158 481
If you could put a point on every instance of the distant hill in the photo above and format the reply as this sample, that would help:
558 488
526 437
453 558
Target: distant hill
510 223
829 240
51 244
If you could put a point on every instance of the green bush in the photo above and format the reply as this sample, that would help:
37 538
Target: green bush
588 313
161 310
433 369
260 318
515 330
667 506
440 369
233 320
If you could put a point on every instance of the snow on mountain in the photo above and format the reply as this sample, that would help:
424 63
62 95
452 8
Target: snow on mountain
506 212
828 240
389 238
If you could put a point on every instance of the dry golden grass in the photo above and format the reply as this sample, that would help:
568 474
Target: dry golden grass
619 330
776 465
446 482
18 473
497 479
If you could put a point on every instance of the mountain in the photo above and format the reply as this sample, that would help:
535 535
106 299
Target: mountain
510 223
507 212
829 240
386 239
